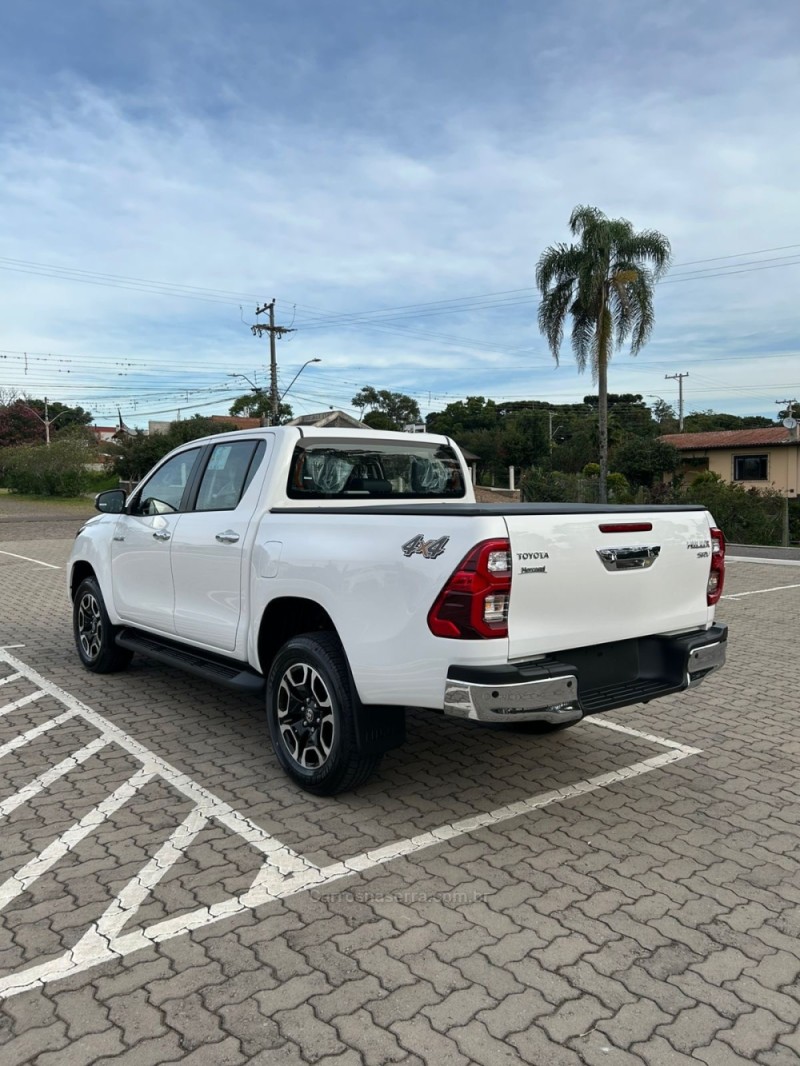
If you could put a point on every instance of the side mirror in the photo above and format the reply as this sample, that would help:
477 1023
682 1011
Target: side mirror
112 501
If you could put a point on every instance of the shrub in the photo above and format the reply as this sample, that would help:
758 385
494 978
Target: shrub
619 491
745 516
57 470
553 486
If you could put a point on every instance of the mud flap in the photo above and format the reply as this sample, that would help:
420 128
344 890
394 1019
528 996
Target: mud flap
379 728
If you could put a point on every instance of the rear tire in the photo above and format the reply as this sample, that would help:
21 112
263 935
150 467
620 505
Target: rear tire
94 634
311 704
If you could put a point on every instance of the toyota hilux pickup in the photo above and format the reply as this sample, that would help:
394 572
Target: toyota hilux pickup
344 575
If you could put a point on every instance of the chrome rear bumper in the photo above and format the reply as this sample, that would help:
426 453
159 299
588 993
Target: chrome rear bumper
551 699
585 680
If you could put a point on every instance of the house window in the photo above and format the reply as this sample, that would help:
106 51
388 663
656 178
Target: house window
750 468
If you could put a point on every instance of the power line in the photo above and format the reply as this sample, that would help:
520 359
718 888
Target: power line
729 273
219 295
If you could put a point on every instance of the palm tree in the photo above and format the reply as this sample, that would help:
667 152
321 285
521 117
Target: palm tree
605 283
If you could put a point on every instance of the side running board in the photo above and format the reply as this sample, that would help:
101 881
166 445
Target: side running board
232 674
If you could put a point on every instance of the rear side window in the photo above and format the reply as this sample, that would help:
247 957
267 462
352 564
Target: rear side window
229 471
384 470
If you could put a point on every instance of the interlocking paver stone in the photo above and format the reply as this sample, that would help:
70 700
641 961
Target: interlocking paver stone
754 1032
633 1023
315 1038
432 1046
376 1045
652 922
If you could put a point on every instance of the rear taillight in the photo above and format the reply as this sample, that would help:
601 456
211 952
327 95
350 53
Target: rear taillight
716 577
473 605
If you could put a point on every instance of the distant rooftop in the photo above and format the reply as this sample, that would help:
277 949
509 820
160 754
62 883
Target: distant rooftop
328 420
732 438
237 421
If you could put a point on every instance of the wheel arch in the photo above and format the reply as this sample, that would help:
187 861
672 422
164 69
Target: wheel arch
287 617
80 570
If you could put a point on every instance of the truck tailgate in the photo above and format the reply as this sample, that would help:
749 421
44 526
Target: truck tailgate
576 581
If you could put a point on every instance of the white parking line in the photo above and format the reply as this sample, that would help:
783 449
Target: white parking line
33 870
23 701
25 738
283 872
759 592
28 559
49 777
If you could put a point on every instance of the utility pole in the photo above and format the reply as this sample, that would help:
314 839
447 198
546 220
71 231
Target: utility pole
274 331
789 405
679 378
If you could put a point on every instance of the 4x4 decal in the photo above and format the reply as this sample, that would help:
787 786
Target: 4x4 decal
428 549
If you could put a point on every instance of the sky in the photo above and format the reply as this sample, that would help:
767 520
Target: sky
389 171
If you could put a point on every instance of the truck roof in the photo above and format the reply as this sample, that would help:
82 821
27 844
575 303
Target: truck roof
313 433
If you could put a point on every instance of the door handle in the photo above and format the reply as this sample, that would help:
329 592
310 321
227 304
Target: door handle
228 537
161 534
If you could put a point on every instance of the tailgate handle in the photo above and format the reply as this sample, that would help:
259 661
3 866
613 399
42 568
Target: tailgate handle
639 557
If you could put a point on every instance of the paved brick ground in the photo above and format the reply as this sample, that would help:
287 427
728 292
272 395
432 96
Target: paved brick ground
653 921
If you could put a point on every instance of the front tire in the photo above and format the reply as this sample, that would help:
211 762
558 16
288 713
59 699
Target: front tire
311 706
94 634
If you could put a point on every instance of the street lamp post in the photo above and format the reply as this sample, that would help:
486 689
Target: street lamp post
257 391
47 422
297 375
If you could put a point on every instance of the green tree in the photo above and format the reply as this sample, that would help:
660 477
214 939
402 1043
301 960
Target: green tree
628 415
713 421
515 433
134 455
665 417
61 415
19 425
463 416
399 410
366 397
604 284
257 405
378 420
643 459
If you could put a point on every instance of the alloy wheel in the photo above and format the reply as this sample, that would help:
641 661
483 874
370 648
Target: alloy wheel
90 626
305 716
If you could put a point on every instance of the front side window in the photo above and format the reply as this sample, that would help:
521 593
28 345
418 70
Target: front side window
384 470
229 471
750 468
163 492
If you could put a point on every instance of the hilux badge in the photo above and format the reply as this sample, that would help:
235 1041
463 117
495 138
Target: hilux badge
428 549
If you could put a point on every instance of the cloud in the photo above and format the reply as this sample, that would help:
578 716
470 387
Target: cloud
396 162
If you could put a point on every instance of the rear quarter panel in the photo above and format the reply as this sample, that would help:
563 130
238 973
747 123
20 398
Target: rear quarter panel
377 596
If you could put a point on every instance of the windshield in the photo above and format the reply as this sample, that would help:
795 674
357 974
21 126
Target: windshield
387 470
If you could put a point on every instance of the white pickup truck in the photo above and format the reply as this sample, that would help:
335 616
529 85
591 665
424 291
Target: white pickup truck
349 574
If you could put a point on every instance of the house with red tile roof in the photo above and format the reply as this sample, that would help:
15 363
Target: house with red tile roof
752 458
